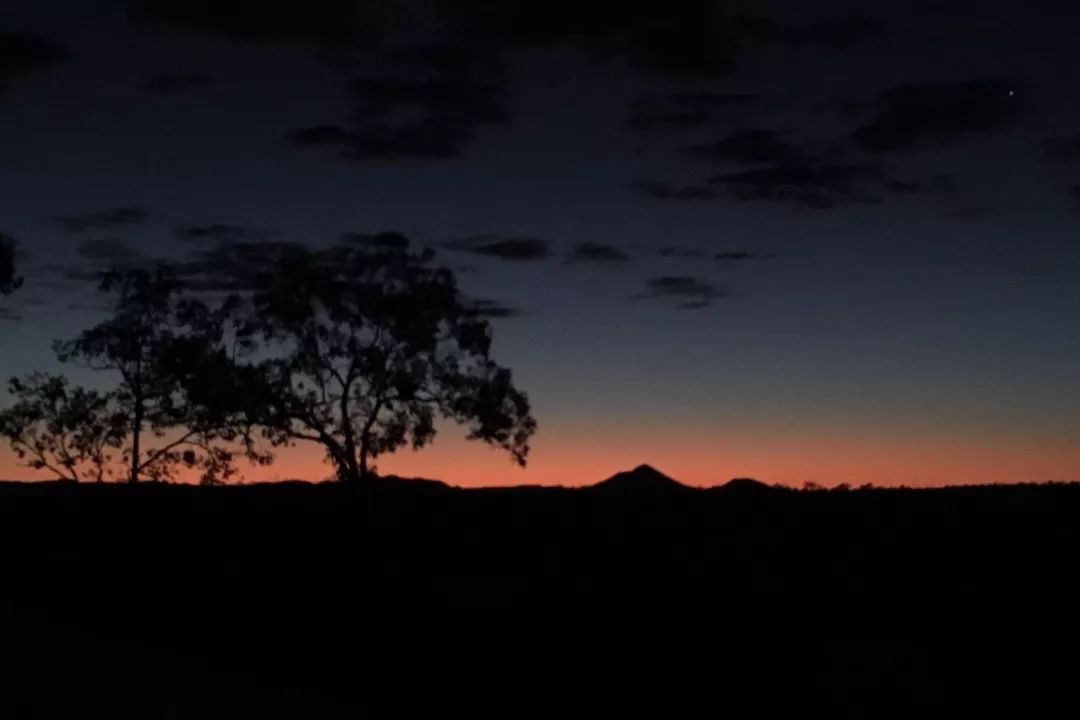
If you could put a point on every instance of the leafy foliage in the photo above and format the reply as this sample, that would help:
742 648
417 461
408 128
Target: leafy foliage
169 352
362 347
71 432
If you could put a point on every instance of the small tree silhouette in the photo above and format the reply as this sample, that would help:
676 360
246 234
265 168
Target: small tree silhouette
9 281
71 432
169 352
363 346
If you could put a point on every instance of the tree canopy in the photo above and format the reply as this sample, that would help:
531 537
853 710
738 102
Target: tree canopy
72 432
361 348
169 353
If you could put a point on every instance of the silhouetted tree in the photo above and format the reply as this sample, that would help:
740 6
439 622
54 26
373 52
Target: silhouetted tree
9 281
69 431
169 352
362 347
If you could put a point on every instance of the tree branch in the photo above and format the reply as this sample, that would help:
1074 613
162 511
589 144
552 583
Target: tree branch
44 463
185 440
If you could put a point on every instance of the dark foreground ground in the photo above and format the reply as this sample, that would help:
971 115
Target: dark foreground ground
416 601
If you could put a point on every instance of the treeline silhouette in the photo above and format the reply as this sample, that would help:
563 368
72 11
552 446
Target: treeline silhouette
394 599
360 348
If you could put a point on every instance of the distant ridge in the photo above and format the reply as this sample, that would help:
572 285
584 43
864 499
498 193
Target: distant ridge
645 479
413 482
642 479
744 486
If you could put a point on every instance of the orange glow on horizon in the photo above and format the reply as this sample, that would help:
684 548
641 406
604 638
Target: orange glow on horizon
702 460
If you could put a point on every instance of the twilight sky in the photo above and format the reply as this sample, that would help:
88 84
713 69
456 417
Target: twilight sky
727 238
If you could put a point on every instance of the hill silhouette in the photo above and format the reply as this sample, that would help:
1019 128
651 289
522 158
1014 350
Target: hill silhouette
746 486
642 479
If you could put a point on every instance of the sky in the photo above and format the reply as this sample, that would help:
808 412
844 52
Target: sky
823 244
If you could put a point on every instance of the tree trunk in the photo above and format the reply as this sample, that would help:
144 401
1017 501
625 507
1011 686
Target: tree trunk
352 470
136 432
348 471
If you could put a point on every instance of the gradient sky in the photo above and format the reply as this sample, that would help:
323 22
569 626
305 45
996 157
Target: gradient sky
741 239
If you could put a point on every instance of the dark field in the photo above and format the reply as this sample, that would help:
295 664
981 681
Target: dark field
414 600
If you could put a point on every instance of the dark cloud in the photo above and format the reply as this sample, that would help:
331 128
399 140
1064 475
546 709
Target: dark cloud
312 20
104 220
677 110
519 249
683 253
912 115
968 212
322 136
408 99
495 309
711 100
236 266
433 109
425 140
87 272
781 171
245 266
834 34
691 292
111 251
430 101
727 256
683 286
1063 148
170 83
678 37
428 105
904 187
88 306
666 191
741 255
454 90
382 240
668 119
939 183
24 53
95 256
841 105
751 147
222 233
424 79
597 253
9 256
50 268
411 98
1074 193
823 185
